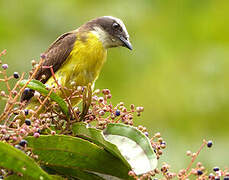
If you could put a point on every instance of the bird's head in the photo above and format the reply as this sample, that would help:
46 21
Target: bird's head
110 30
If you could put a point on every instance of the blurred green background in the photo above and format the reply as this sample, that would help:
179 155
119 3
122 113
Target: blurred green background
178 69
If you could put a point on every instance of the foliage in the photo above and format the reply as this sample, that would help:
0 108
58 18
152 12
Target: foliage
104 145
41 88
56 140
178 69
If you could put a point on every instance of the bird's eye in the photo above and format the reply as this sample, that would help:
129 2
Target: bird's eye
115 25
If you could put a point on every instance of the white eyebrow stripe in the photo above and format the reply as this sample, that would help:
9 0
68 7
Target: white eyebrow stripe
120 22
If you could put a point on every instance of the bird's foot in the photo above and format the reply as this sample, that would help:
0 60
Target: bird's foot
87 95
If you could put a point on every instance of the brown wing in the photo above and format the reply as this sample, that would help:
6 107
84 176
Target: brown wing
55 56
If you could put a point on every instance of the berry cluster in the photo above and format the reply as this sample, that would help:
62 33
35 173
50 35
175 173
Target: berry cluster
158 145
101 112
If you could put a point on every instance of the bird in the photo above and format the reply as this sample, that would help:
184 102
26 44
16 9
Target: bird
78 56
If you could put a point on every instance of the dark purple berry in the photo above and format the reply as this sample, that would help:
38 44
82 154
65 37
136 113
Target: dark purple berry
209 144
199 172
163 142
23 143
17 146
28 122
216 169
226 178
217 178
16 75
4 66
26 112
117 112
27 91
43 56
146 133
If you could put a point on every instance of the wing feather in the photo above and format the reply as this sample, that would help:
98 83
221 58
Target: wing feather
55 56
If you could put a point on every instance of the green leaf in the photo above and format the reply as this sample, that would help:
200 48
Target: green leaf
16 177
133 145
76 173
17 161
72 154
96 136
41 88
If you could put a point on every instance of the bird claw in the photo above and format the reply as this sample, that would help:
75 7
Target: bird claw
87 95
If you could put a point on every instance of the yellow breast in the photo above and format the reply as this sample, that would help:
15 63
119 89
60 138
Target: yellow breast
84 63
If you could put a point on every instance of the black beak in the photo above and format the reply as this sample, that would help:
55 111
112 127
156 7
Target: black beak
126 43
